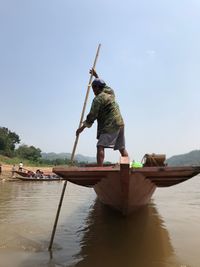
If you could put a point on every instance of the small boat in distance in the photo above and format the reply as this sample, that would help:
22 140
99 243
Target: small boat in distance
27 175
124 188
45 178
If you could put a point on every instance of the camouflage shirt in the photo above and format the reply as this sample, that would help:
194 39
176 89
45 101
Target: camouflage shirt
106 111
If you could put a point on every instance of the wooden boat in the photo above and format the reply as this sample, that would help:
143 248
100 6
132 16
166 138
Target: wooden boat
31 176
124 188
33 179
24 173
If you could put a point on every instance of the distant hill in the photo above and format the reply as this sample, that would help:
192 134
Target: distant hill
78 157
191 158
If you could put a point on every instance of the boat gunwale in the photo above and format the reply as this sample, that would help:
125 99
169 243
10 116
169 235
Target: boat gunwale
116 168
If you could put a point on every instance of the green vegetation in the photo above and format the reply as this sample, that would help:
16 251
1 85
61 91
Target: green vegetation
8 140
28 152
16 160
40 162
11 155
30 155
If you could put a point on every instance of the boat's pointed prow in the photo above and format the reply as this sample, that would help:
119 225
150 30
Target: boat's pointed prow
125 188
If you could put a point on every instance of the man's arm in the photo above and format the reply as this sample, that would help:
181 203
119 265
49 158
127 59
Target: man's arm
79 130
91 117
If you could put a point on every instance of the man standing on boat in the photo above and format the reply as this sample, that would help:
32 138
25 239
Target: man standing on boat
110 124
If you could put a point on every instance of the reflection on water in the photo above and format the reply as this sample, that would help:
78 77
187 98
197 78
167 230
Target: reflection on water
89 234
112 240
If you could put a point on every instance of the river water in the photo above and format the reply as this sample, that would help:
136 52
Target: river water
164 233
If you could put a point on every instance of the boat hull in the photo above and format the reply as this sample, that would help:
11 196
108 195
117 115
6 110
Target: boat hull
123 188
125 197
30 179
31 176
23 173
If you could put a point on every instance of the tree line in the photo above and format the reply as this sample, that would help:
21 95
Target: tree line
8 142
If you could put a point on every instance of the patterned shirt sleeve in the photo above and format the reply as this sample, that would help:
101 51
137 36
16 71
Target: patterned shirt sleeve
93 114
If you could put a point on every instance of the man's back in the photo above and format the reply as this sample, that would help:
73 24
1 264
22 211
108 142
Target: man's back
109 118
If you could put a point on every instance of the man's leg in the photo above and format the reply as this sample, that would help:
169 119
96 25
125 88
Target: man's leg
120 143
123 152
100 155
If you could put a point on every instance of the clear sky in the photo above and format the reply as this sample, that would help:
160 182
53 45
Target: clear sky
150 56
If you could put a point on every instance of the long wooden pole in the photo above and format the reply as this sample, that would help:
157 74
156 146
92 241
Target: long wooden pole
84 105
73 151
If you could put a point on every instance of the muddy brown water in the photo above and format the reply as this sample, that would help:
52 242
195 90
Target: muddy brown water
164 233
